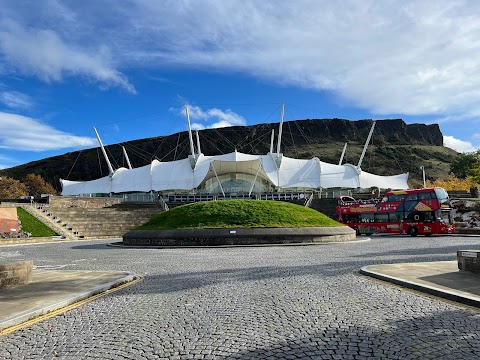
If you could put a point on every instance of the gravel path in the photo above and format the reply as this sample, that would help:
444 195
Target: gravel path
251 303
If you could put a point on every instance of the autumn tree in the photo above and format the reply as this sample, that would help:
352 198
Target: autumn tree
454 183
37 185
11 188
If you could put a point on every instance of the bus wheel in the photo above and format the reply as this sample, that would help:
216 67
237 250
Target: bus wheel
412 231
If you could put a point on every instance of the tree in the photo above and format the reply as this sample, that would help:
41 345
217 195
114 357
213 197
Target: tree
475 171
11 188
454 183
37 185
464 164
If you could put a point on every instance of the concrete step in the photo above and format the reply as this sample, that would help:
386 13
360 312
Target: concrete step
100 222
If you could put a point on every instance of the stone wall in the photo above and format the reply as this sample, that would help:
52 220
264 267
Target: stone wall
238 236
82 202
9 221
15 273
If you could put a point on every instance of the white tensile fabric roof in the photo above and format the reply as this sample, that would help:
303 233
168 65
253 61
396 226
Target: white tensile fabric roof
178 175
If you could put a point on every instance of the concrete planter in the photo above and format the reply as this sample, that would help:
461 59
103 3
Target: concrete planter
237 236
15 274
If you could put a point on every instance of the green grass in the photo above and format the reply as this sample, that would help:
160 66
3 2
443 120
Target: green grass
33 226
238 214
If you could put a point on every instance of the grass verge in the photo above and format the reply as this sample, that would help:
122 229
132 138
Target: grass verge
33 226
238 214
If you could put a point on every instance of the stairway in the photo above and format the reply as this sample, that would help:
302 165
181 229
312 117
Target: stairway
94 223
41 213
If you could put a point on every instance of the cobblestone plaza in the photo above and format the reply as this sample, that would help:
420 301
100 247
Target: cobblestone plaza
251 303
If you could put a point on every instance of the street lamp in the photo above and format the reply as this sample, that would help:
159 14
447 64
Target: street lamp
423 173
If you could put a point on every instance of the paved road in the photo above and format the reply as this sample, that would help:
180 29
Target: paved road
259 303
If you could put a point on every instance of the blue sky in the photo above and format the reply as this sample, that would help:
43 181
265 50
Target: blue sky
128 67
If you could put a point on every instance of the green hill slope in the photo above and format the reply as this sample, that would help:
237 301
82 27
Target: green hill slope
238 213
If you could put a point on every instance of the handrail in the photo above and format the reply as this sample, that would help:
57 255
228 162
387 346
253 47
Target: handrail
308 202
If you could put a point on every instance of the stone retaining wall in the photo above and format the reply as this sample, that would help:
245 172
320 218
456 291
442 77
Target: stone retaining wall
239 236
82 202
15 273
467 231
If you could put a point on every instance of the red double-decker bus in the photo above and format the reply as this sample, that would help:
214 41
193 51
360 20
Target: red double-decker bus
413 212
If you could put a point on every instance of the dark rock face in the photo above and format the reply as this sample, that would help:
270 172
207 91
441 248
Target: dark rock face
323 138
394 131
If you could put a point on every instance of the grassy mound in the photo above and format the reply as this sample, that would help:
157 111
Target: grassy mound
238 214
33 226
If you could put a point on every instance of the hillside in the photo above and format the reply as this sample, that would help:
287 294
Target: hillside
396 147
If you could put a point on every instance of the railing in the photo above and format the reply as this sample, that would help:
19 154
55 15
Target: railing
459 194
164 203
272 196
309 200
41 213
332 194
140 197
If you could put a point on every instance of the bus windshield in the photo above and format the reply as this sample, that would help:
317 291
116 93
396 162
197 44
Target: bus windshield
442 195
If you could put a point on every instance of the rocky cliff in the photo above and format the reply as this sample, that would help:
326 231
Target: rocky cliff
396 147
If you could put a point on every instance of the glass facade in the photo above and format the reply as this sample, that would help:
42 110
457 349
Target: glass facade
236 184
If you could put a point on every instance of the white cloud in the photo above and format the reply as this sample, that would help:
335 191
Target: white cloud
26 134
212 118
401 57
388 57
15 100
197 126
42 52
223 123
457 144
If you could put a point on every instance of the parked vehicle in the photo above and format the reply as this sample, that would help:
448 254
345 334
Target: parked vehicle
415 212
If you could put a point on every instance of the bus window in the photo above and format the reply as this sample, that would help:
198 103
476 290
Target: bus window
395 198
412 216
425 196
417 216
412 197
381 217
366 218
347 219
428 216
395 216
409 205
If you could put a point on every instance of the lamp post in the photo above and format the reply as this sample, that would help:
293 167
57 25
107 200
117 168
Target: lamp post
423 173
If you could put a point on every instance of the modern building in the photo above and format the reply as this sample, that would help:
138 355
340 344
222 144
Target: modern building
234 174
